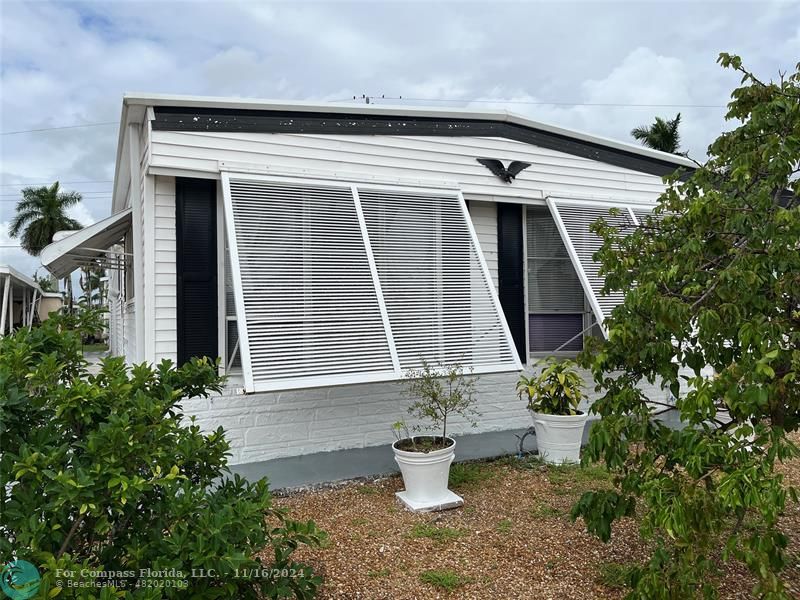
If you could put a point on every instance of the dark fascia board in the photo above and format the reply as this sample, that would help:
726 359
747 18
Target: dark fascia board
176 118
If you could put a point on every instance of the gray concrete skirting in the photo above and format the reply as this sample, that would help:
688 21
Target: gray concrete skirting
374 461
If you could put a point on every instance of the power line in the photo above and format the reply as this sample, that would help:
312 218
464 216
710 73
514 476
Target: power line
543 103
7 202
19 192
100 124
86 193
51 183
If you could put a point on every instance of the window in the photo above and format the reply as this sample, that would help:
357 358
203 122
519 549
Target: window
574 219
555 295
341 283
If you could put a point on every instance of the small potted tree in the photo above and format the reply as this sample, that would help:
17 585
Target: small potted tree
424 460
553 397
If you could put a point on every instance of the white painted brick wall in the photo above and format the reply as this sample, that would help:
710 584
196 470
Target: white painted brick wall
279 424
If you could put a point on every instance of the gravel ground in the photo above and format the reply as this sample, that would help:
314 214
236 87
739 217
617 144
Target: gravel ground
511 539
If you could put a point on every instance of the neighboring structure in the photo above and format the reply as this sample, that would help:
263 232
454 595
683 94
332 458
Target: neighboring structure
322 251
23 302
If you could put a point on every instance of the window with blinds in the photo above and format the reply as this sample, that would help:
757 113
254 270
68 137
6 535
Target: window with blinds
555 294
338 283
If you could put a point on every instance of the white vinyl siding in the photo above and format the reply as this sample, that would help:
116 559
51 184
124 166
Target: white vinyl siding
165 279
412 159
343 283
484 219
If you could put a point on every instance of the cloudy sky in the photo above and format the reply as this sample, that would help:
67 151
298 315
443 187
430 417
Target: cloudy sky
66 64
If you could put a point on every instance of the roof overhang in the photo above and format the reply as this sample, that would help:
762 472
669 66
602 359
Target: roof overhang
87 246
18 279
136 103
170 112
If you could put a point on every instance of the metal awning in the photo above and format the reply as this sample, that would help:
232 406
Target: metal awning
87 246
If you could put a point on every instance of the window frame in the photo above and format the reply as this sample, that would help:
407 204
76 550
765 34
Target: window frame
533 356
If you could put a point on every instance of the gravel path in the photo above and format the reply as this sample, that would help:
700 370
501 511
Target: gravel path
512 539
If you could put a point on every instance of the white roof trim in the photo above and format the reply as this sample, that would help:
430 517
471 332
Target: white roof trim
20 277
145 99
66 255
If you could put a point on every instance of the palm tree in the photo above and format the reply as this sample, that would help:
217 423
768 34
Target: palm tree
92 285
662 135
41 212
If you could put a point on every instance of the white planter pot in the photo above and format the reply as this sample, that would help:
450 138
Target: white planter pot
425 476
558 437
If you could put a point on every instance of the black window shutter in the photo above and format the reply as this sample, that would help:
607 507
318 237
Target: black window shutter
196 238
511 272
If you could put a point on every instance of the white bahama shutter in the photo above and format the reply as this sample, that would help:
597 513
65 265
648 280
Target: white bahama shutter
439 297
307 307
574 218
341 283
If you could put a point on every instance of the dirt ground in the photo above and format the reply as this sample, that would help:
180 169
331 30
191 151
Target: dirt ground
511 539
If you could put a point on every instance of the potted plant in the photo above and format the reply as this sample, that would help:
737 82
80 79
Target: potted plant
553 397
424 460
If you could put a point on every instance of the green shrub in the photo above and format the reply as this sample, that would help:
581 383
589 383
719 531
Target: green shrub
101 472
557 390
438 393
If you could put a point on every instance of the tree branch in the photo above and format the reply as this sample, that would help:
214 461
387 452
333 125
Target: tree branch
70 535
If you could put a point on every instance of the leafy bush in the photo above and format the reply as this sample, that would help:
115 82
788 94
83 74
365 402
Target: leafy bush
101 473
438 393
557 390
712 311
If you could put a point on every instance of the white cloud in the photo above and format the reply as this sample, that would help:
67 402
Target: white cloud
66 63
81 214
12 255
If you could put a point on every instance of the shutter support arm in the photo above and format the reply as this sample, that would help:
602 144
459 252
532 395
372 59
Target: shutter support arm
373 269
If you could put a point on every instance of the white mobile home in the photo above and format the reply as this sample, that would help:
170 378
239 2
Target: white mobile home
324 250
23 301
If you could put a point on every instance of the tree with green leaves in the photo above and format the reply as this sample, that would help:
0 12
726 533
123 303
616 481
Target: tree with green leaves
662 135
40 214
91 283
712 310
103 473
44 282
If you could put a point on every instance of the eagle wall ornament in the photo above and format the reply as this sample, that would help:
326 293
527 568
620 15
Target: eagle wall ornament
507 174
